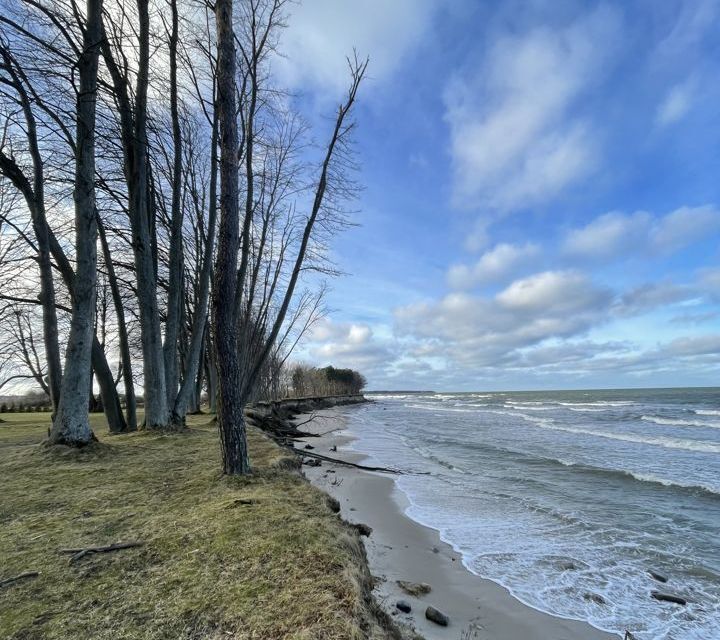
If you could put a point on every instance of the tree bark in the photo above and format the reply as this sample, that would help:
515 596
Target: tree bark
108 391
110 399
210 372
133 123
125 357
175 299
71 425
156 410
231 421
197 337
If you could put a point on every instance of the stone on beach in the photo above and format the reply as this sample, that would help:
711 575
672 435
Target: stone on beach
403 606
594 597
438 617
657 576
363 529
414 588
668 597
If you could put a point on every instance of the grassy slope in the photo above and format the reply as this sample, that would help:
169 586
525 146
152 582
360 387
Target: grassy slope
212 567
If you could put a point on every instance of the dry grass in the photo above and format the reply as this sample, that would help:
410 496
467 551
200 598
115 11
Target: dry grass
260 557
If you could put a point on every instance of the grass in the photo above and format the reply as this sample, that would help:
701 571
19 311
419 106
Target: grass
260 557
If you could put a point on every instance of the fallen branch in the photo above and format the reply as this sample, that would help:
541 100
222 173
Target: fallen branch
318 456
81 553
312 417
324 433
22 576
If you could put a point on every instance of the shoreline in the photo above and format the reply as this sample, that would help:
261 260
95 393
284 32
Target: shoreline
400 548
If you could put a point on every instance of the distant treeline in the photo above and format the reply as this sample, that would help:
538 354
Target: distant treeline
277 380
328 381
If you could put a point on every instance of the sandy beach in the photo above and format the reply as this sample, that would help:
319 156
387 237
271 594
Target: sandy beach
402 549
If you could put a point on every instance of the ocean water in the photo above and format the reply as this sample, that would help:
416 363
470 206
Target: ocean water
568 498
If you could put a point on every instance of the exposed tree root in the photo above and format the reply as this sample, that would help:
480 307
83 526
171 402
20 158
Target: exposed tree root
81 553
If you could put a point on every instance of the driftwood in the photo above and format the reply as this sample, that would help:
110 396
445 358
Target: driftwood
81 553
318 456
22 576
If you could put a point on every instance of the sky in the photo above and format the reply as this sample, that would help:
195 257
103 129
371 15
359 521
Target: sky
541 205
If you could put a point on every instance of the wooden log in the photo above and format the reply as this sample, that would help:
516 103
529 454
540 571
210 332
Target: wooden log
319 456
22 576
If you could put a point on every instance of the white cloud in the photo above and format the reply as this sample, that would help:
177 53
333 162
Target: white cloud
608 235
545 324
617 234
514 139
651 296
552 292
322 33
494 265
351 345
484 331
677 103
684 226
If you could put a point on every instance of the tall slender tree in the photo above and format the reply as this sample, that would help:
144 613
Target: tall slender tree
71 424
230 401
238 364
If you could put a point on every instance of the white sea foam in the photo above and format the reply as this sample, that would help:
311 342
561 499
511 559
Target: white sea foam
510 518
668 443
437 407
707 412
598 403
678 422
526 407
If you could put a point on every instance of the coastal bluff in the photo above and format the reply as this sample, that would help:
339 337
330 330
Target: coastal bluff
275 416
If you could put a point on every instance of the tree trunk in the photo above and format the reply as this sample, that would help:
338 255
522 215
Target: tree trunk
130 401
35 199
211 374
156 409
197 338
108 392
50 324
194 404
231 421
175 299
71 425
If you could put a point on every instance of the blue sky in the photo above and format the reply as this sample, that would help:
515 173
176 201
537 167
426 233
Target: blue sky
541 191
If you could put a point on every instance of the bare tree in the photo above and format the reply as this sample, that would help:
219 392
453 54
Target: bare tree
175 266
239 370
33 190
230 400
133 133
71 424
44 49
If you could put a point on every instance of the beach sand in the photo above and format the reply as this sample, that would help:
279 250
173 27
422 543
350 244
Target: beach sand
402 549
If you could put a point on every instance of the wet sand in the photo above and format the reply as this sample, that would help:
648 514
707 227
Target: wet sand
401 549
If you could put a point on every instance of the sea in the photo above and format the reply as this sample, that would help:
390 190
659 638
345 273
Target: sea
569 499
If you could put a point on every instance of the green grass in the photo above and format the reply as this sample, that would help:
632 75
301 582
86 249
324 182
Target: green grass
260 557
